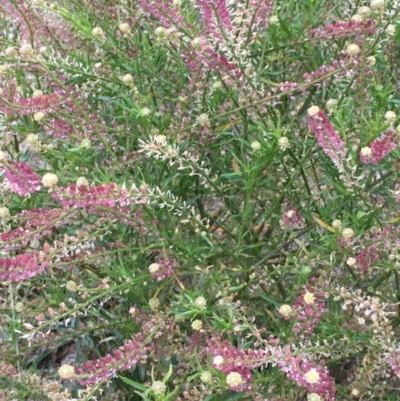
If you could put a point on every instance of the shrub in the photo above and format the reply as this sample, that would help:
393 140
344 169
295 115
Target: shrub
199 200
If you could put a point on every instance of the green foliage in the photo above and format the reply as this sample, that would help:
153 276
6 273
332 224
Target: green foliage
178 141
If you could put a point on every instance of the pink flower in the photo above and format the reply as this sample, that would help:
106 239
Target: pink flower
308 309
344 29
127 356
104 195
44 103
291 218
23 180
315 378
379 148
228 359
22 266
328 139
394 362
163 268
222 15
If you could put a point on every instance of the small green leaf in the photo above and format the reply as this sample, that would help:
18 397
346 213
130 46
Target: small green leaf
134 384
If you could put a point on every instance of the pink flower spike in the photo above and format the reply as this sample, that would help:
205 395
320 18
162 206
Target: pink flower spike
22 266
328 139
379 148
23 180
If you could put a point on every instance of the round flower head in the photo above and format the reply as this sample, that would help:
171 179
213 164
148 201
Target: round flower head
197 325
19 307
366 151
37 93
309 298
206 377
197 43
25 50
234 379
154 267
154 303
356 18
377 5
331 104
32 139
273 20
49 180
390 30
351 262
312 376
145 112
71 286
352 50
11 52
390 117
285 310
66 371
4 69
365 12
313 111
283 143
314 397
38 116
4 213
348 233
98 33
200 302
256 146
124 27
127 79
82 181
203 119
160 32
218 360
158 387
86 143
337 224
